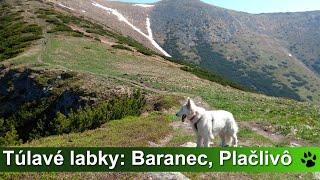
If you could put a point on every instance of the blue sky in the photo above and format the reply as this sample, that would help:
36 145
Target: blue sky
259 6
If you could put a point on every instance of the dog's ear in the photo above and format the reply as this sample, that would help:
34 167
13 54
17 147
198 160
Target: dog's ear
189 103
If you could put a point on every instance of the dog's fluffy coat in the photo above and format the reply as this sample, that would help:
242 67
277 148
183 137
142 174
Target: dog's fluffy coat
208 124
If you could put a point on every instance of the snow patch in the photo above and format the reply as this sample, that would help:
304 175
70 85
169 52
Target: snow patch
119 15
83 11
148 24
150 37
123 19
144 5
290 55
64 6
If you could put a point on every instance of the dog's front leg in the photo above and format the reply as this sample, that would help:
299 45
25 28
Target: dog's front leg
199 141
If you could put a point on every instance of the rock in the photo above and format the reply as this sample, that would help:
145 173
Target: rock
153 144
293 144
294 131
189 144
316 175
166 176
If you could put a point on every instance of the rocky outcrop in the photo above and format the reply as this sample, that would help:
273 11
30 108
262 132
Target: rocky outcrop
30 100
16 89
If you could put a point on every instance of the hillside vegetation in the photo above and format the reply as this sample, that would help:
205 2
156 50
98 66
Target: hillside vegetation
78 86
15 33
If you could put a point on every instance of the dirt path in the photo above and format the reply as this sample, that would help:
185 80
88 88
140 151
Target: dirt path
164 175
277 138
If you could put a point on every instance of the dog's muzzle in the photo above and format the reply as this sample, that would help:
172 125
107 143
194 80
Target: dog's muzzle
183 117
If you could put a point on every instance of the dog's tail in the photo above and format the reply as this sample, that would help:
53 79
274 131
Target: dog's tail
235 127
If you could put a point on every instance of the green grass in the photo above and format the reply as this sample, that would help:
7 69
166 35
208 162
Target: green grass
180 137
247 135
65 54
163 102
127 132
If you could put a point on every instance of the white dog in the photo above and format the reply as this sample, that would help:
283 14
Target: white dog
208 124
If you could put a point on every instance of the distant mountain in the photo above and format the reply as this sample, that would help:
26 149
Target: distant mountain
276 54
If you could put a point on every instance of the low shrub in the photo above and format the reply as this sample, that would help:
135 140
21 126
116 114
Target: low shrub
201 73
15 34
119 46
45 115
93 117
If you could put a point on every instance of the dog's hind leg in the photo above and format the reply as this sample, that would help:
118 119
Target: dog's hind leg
199 141
235 140
228 139
223 140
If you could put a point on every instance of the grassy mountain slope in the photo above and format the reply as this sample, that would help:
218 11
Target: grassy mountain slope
135 14
79 57
257 51
300 35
